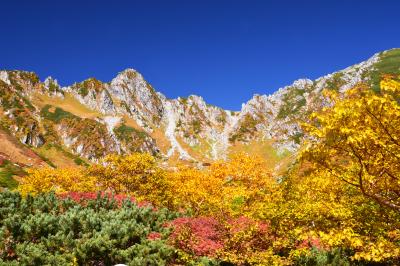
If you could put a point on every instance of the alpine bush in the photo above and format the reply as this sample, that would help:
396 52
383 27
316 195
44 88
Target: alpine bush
47 230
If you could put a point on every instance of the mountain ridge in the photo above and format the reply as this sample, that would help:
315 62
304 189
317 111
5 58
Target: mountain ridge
91 118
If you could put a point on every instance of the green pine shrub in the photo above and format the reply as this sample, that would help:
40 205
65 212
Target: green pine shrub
46 230
322 258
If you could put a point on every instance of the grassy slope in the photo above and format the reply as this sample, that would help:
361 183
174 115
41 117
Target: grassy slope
69 104
7 180
59 156
264 149
389 64
9 172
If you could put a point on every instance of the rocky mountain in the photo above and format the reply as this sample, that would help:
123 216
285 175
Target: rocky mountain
90 119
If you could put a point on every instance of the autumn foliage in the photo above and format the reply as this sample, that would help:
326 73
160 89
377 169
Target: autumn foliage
358 141
338 204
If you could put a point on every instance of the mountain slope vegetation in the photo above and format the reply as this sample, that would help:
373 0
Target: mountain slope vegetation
127 115
104 173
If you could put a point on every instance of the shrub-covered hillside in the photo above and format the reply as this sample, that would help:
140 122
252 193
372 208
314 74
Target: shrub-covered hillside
338 204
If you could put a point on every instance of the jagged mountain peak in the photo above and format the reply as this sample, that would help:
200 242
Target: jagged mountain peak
129 70
130 115
129 74
50 79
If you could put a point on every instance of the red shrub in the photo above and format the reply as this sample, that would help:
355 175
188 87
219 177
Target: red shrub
310 243
205 236
246 236
201 236
81 197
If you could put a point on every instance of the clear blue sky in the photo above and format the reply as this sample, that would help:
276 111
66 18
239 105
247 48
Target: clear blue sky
224 51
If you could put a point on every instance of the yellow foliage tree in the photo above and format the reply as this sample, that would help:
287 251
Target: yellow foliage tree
136 174
358 141
349 172
249 187
322 211
196 190
239 186
57 180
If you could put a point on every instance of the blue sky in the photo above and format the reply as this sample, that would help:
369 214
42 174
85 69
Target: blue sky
224 51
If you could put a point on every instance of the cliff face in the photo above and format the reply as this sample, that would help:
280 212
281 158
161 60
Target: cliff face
91 118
